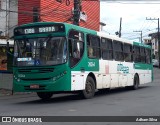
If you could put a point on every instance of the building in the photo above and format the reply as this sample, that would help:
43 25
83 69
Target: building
154 41
18 12
147 41
59 11
9 17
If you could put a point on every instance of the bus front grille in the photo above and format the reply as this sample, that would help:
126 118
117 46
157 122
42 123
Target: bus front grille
36 70
35 79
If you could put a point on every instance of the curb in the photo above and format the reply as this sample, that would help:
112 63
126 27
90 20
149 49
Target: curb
9 93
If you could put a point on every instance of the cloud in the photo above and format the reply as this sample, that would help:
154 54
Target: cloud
133 16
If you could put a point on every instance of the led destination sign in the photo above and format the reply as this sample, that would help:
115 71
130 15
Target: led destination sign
39 29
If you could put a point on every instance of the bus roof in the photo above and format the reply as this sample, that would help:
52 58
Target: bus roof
113 37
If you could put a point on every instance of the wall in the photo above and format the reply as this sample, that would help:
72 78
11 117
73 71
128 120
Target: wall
6 78
25 10
8 20
13 16
6 81
59 12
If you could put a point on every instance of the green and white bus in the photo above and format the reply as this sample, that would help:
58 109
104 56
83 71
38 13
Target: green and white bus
51 57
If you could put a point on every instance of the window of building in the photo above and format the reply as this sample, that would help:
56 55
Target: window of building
127 50
118 51
107 49
93 45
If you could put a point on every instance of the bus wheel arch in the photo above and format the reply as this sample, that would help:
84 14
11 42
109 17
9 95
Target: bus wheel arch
94 78
90 86
45 95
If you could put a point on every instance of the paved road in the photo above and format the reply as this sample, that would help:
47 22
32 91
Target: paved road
120 102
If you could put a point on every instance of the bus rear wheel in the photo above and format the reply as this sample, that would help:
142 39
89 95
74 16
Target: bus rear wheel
44 95
89 90
135 82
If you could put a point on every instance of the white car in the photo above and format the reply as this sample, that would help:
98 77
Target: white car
155 62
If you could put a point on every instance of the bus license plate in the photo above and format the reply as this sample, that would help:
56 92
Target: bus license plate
34 86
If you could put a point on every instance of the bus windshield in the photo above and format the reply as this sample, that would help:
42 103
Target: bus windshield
40 51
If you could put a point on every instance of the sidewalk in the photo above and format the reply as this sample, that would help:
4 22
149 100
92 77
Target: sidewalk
5 92
8 93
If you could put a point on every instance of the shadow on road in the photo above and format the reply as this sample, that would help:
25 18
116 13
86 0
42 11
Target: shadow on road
63 98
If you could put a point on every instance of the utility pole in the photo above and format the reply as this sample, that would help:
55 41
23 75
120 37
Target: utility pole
158 35
140 32
76 14
120 27
6 19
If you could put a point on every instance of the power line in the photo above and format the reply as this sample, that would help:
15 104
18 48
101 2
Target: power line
141 34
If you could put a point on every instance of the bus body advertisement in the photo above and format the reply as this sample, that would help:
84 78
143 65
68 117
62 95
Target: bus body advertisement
52 57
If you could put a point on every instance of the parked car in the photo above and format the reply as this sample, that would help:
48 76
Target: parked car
155 62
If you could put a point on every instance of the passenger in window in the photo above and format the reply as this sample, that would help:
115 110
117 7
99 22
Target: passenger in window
76 54
54 50
90 52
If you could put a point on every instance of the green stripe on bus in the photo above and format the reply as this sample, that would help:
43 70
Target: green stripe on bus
140 44
143 66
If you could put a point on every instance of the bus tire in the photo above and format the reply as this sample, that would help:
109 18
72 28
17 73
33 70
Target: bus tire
89 90
135 82
44 95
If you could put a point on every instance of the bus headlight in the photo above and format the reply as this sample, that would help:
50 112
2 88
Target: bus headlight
18 80
54 79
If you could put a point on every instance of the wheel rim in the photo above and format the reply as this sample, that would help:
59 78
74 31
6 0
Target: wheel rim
136 83
89 88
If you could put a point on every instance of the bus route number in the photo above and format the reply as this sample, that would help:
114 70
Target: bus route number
28 31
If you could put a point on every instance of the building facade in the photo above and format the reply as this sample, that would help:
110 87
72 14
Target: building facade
8 17
62 11
154 43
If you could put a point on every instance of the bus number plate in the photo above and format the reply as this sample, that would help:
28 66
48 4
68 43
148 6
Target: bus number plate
34 86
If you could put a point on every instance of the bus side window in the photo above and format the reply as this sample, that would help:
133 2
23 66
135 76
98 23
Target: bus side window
127 50
136 54
148 56
142 55
107 49
76 47
93 46
118 51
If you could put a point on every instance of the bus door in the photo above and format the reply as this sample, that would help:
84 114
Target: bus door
126 66
116 74
76 51
106 62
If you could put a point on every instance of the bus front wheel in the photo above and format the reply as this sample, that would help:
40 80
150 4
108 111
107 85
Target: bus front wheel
44 95
89 90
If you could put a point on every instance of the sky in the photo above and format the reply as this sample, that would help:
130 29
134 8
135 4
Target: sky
133 18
